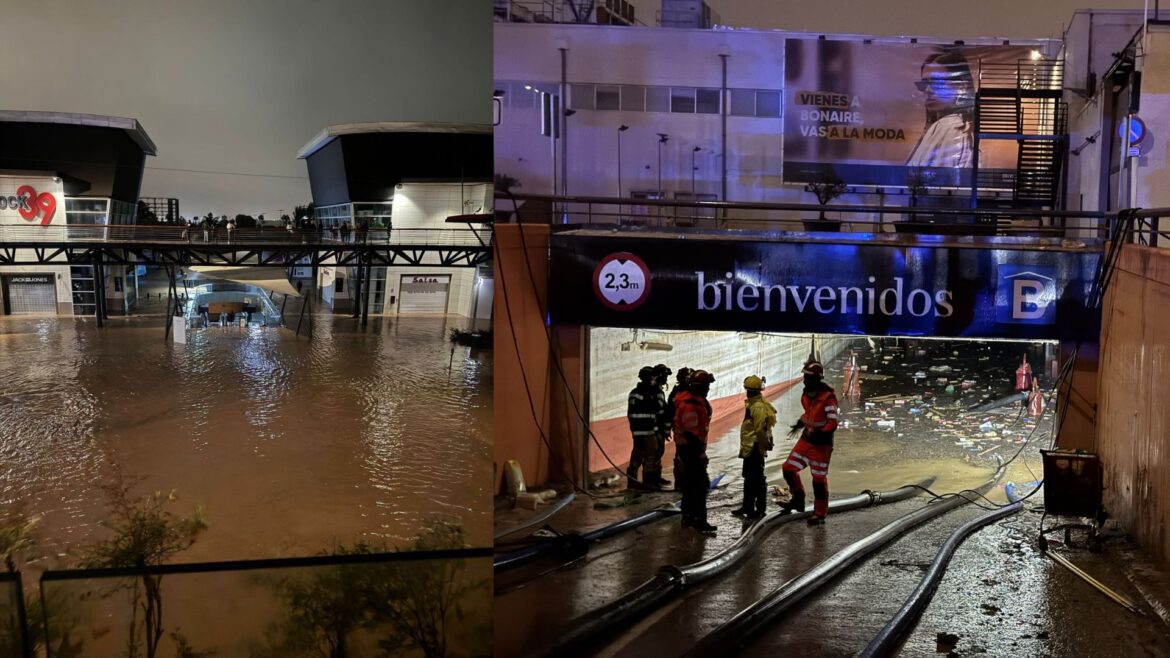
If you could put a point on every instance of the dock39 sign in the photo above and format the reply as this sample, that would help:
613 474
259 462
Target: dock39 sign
742 285
31 200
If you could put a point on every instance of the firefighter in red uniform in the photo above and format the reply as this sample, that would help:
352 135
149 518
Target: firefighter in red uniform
815 446
692 422
684 376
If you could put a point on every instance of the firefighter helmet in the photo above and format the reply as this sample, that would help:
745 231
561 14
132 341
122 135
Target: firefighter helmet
684 374
814 368
702 377
646 373
662 371
753 383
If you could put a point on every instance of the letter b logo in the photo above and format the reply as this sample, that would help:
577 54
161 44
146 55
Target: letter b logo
1026 295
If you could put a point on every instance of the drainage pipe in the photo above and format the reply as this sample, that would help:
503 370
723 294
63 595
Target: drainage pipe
737 631
578 541
886 641
672 580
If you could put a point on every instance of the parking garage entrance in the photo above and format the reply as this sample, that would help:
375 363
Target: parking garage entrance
955 344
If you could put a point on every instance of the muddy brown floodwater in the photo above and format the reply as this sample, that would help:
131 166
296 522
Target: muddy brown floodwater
291 445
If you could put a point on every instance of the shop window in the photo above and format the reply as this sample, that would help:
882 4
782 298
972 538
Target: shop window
743 102
633 98
768 104
608 98
581 97
657 99
707 101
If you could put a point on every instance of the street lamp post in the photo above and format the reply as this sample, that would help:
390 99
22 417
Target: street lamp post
693 169
694 209
662 139
621 129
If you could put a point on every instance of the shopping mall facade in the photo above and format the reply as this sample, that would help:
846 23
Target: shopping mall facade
69 169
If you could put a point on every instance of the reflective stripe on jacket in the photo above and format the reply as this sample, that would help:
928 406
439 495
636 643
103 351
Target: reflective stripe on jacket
645 410
820 416
755 432
692 416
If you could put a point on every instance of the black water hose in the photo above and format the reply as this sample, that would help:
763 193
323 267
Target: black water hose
629 524
670 581
737 631
886 641
1001 402
578 543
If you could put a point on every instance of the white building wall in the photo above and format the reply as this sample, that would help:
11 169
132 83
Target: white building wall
428 205
615 357
639 56
1090 44
1152 177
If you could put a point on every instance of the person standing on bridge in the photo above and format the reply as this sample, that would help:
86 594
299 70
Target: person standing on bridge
644 411
692 422
755 440
815 446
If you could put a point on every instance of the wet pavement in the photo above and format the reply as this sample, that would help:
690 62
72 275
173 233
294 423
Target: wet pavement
291 445
1001 597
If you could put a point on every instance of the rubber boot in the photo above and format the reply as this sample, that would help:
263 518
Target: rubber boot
704 527
651 480
796 504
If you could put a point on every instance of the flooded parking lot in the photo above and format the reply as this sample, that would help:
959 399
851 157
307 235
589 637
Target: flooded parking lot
292 446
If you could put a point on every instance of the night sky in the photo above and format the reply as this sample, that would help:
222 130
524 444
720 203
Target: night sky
236 87
958 19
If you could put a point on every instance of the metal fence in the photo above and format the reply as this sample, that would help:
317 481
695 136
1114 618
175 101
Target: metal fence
14 640
434 602
666 213
265 236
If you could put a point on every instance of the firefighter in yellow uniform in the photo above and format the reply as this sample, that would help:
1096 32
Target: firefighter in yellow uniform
755 440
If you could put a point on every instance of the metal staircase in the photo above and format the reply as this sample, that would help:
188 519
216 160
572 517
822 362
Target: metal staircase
1021 102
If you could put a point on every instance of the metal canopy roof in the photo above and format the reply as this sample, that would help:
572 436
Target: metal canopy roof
334 131
133 129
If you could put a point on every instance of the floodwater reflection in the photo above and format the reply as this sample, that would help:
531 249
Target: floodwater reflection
292 445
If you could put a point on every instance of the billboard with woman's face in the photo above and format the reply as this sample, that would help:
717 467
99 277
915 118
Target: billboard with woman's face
883 113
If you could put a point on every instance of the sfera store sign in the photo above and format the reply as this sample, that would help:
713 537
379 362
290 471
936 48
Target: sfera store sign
31 200
741 285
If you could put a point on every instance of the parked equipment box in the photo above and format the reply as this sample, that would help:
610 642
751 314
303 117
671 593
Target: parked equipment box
1072 483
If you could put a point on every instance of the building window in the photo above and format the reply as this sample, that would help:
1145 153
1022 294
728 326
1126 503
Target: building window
657 99
608 98
633 98
582 97
707 101
768 104
682 100
743 102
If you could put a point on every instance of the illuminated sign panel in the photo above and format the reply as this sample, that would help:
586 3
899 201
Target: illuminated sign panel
880 113
742 285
